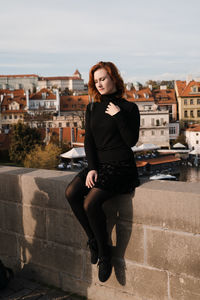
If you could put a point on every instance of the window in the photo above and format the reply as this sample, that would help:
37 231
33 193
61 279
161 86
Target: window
67 124
15 116
152 121
185 101
157 122
75 124
198 101
185 114
59 124
10 117
5 117
152 132
162 132
197 134
197 142
198 113
142 132
143 121
191 114
194 89
191 101
172 130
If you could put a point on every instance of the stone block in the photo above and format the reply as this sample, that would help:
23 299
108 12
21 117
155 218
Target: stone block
45 254
41 274
128 241
11 216
173 251
140 283
63 228
74 285
8 180
159 204
8 244
184 288
34 221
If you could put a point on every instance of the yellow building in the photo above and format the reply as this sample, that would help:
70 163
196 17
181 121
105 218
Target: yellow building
188 97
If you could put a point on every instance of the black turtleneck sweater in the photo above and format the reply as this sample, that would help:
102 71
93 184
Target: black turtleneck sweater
110 138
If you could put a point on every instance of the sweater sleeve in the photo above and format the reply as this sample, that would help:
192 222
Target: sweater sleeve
89 144
128 123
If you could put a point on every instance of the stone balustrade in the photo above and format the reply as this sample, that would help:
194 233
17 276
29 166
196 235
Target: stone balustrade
155 237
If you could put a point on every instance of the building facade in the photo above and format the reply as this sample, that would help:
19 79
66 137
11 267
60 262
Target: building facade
192 135
154 125
188 96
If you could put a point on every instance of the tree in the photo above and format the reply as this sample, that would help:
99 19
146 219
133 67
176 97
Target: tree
23 140
43 157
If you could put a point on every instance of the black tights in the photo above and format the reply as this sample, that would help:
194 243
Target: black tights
87 207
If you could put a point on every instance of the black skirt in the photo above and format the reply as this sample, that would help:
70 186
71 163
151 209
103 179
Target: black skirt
115 177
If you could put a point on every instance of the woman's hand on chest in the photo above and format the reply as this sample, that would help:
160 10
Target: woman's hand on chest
112 109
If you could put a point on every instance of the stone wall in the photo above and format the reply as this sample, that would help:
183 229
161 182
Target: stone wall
155 237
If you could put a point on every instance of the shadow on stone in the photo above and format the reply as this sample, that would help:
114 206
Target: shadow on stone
119 211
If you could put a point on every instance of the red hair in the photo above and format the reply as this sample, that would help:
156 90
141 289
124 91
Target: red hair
115 76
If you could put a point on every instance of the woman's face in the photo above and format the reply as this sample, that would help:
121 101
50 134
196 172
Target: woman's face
103 82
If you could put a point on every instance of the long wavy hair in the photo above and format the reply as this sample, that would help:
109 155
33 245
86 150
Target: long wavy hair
115 76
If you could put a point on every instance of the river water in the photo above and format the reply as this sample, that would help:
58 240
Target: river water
189 174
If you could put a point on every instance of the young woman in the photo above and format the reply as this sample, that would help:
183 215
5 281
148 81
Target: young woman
112 128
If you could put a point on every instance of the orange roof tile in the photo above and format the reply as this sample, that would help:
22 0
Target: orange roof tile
185 90
162 160
165 96
68 103
194 127
38 95
141 95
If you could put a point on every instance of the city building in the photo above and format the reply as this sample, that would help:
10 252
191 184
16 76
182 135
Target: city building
15 82
13 108
188 97
154 126
33 82
192 135
72 83
44 100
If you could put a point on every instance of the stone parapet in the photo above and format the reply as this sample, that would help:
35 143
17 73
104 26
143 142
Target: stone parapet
155 237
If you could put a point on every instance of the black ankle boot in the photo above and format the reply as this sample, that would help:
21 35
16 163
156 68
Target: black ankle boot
92 243
105 268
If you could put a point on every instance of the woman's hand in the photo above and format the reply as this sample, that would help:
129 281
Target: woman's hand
91 178
112 109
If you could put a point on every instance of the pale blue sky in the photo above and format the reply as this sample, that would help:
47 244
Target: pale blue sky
146 39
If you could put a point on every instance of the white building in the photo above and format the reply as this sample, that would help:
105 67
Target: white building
192 135
154 127
73 83
14 82
32 82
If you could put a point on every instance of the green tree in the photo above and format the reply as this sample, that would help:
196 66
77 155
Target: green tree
23 140
43 157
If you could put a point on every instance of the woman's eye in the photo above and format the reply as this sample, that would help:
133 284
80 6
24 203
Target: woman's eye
102 79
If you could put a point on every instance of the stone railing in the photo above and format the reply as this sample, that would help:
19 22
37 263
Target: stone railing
155 237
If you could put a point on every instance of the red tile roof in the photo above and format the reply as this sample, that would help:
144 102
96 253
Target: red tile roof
185 90
165 96
68 103
141 95
38 95
194 127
